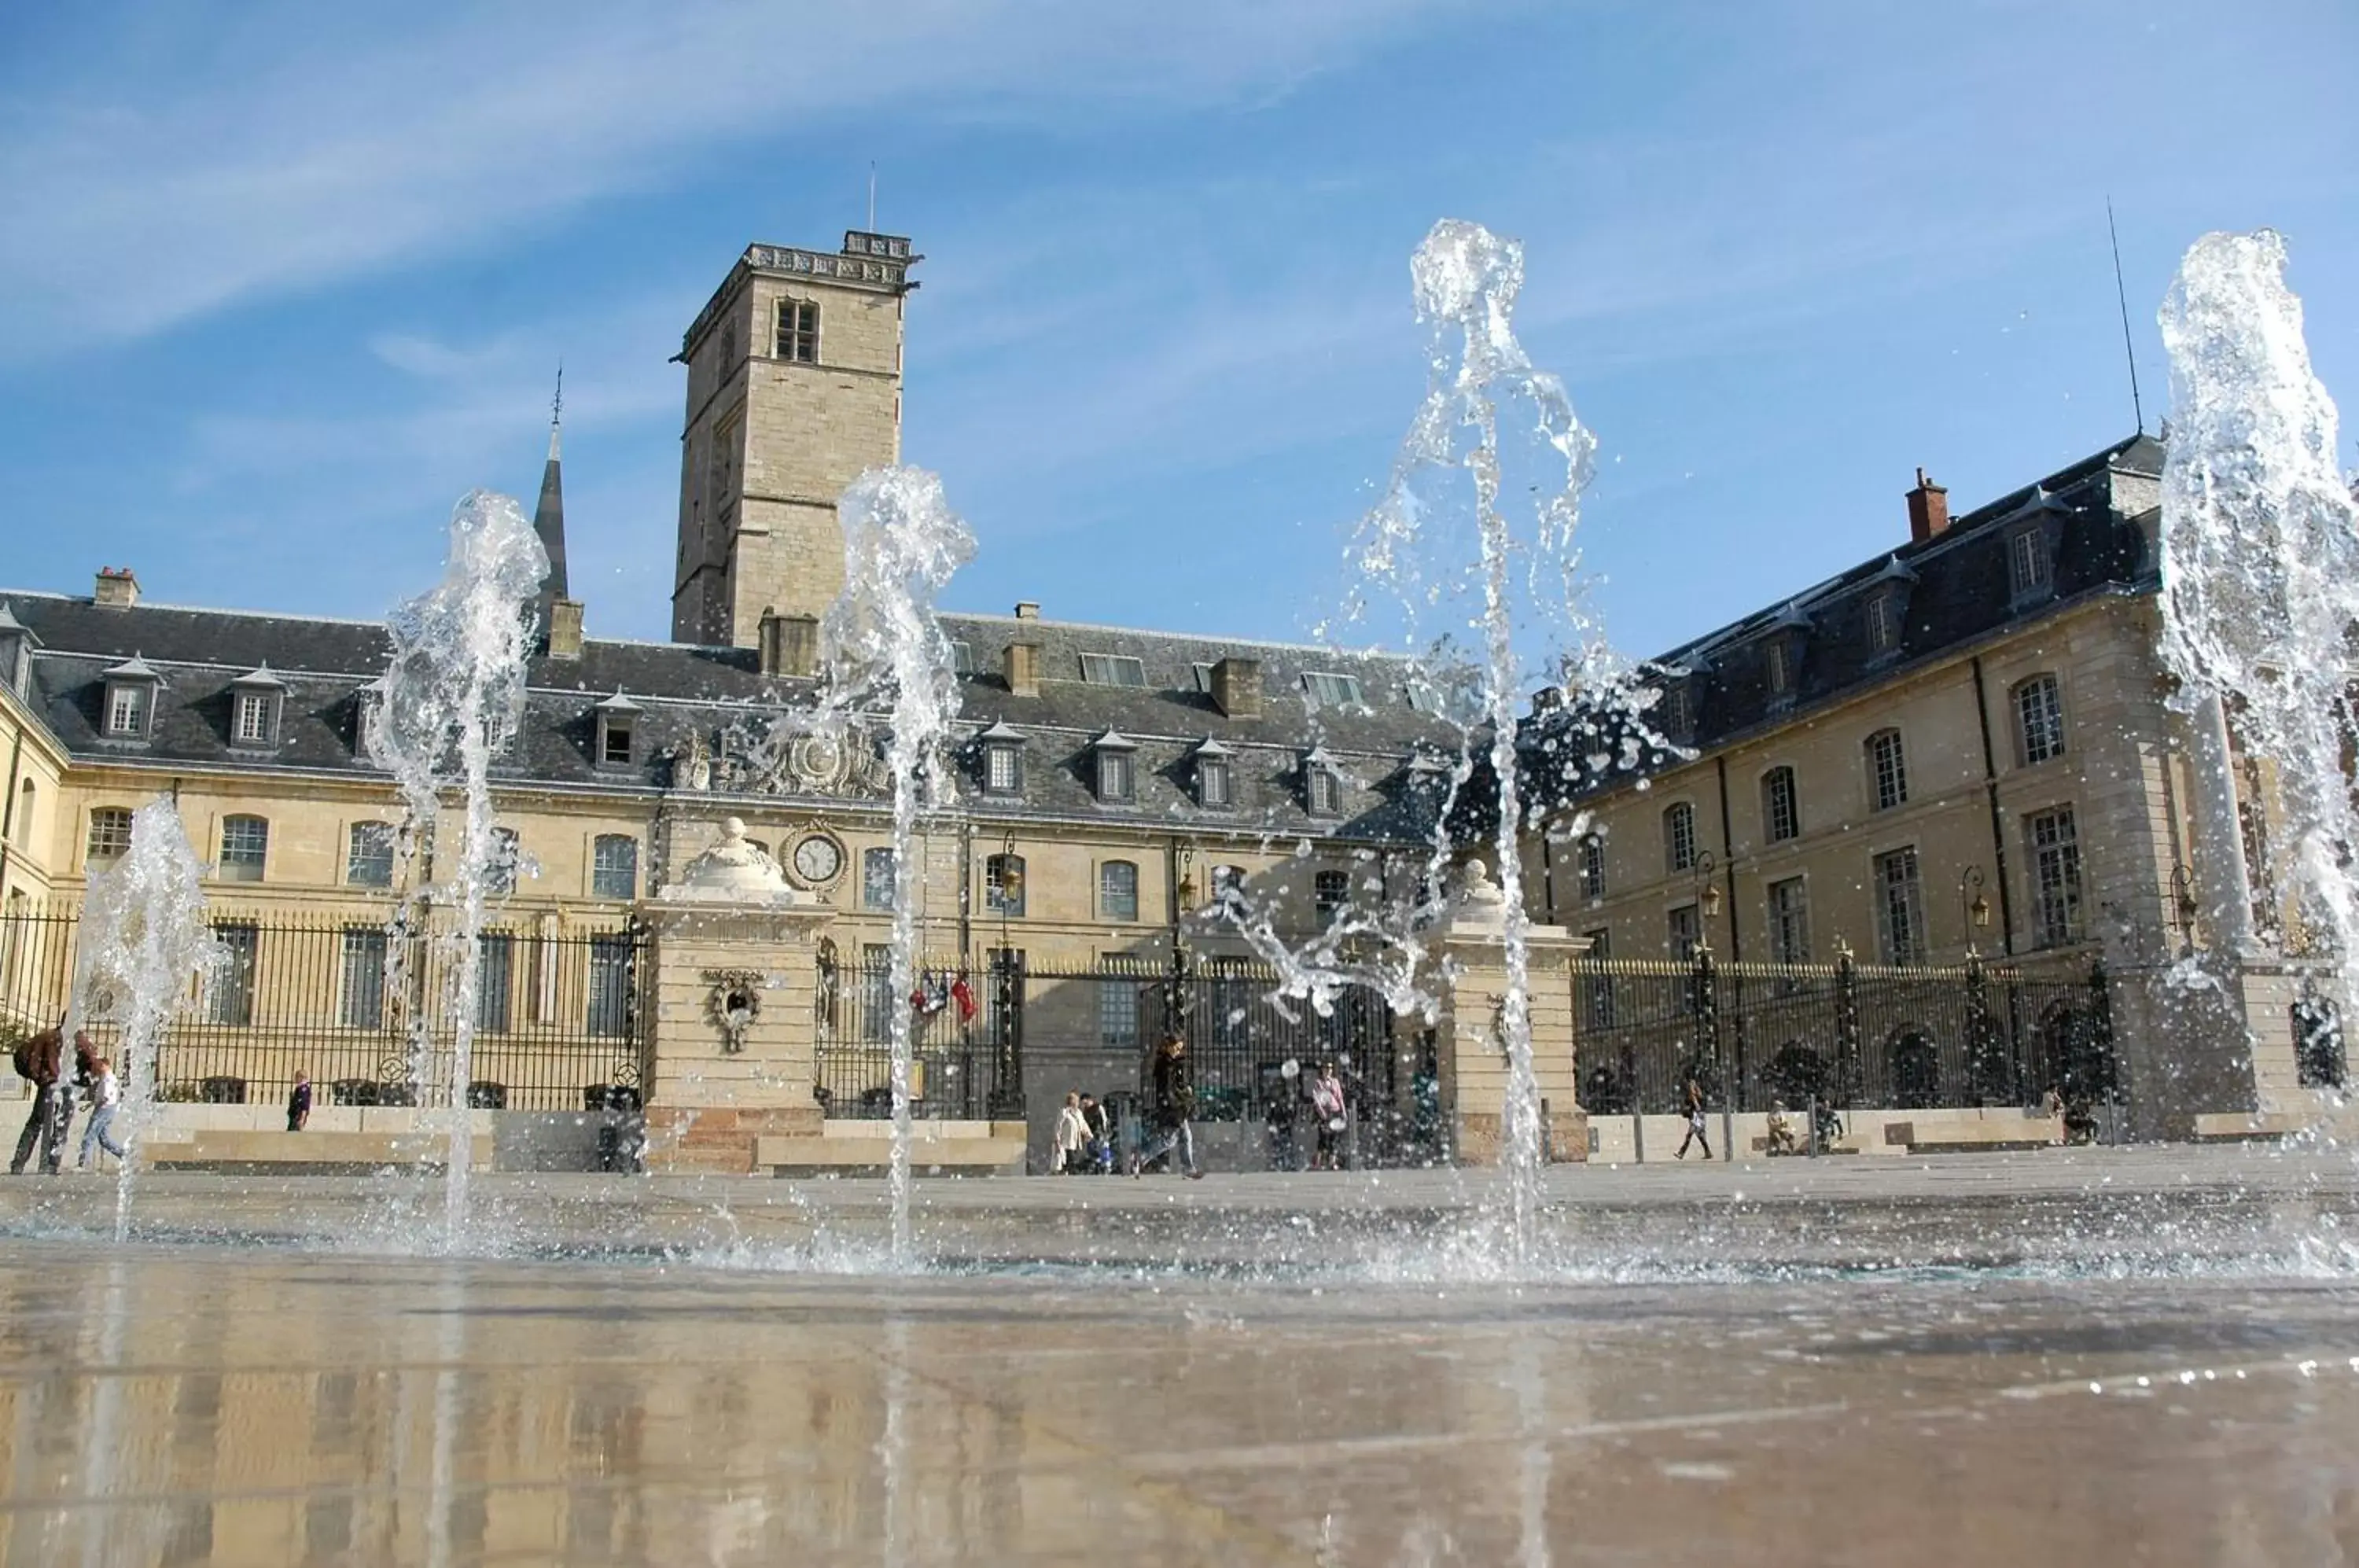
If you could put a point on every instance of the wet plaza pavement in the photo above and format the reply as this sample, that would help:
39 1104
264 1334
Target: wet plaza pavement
295 1400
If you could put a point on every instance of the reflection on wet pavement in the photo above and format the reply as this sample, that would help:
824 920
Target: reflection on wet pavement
183 1405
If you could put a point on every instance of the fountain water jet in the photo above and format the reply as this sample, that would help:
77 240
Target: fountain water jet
881 645
143 939
2260 583
1440 560
454 696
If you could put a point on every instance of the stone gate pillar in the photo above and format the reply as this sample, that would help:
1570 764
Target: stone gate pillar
1474 1047
730 1016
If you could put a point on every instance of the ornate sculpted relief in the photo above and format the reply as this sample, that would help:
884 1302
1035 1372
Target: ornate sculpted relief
733 1004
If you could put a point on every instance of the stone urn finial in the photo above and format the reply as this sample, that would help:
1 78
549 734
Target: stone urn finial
735 870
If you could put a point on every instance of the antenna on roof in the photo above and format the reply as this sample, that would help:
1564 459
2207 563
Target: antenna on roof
557 403
872 195
2121 295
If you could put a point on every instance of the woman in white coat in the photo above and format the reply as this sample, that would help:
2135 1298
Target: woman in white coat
1072 1136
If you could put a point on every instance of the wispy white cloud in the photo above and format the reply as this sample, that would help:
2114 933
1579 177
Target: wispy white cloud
143 192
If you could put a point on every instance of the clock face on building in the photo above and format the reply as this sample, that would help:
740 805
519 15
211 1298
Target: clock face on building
818 860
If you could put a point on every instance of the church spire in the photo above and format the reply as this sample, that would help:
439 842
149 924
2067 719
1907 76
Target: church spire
548 516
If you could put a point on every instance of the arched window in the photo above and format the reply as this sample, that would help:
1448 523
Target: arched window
1003 884
1679 837
1781 816
615 867
1118 891
2038 720
244 845
1888 771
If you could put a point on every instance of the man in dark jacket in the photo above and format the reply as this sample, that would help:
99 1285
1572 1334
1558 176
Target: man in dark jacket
1171 1077
41 1060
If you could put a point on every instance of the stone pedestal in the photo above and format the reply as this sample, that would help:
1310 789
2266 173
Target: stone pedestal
1473 1046
731 1000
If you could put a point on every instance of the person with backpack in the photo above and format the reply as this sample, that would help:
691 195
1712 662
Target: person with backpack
1171 1078
41 1061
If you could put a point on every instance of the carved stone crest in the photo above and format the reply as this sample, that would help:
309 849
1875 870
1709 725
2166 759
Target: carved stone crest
784 759
733 1004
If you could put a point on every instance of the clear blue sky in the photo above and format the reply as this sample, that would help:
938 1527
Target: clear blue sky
279 281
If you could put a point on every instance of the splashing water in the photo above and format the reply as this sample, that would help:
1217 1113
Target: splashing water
2260 573
143 939
454 696
1486 606
883 648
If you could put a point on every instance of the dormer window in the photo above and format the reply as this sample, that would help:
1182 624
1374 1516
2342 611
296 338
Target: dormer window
1112 670
1323 786
1330 691
1676 712
1778 666
618 722
15 652
1117 757
2026 562
1882 636
1002 760
1884 612
1216 785
130 708
255 702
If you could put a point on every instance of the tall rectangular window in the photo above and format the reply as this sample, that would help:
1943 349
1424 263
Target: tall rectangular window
495 981
1329 891
610 986
1118 1012
1781 815
368 855
229 999
1326 787
1003 885
1003 768
2026 560
615 867
2039 720
126 708
1679 837
252 725
1213 781
2056 871
1900 906
361 1002
798 330
244 845
1684 930
1118 891
1887 769
877 877
110 833
1880 623
1778 664
507 862
1113 775
1789 921
1592 865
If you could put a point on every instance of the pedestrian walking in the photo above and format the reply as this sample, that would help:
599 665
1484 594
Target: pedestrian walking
298 1104
105 1092
1695 1122
1072 1138
41 1061
1327 1108
1171 1078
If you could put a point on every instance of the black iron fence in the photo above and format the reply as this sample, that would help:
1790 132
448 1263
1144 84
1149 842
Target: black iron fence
367 1008
966 1029
1853 1034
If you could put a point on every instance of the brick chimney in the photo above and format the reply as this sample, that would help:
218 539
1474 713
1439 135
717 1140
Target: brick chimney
1023 668
1929 509
1236 686
116 586
564 628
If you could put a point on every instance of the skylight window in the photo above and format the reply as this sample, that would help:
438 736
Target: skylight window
1112 670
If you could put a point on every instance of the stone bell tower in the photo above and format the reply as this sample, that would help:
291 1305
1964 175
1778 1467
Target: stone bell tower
794 389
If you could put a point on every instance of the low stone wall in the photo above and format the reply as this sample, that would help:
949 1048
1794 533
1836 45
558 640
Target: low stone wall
1625 1140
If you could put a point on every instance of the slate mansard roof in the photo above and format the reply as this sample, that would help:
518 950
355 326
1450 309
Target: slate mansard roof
680 690
2094 525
